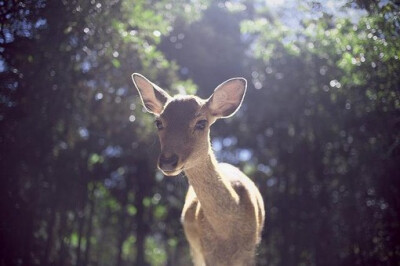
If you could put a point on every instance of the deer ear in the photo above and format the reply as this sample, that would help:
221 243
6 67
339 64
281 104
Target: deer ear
227 97
153 97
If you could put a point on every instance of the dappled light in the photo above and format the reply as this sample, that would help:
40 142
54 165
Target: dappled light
318 131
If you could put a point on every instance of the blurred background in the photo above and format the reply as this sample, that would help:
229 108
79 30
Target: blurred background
319 130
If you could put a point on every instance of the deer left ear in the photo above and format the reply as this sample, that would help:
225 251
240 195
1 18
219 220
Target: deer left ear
153 97
227 97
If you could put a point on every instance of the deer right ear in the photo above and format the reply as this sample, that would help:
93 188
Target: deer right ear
153 97
227 97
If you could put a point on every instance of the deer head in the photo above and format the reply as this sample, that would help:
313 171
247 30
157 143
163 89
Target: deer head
183 122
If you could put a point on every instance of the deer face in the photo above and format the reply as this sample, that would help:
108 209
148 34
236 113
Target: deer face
183 129
183 122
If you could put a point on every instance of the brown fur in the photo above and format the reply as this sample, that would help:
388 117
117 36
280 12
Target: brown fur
223 215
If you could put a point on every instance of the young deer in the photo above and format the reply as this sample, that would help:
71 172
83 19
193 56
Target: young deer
223 215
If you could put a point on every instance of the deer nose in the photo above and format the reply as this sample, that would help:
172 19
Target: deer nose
168 162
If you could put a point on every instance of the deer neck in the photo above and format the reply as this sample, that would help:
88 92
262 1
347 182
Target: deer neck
204 169
213 190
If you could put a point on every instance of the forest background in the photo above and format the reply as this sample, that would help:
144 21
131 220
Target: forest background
319 129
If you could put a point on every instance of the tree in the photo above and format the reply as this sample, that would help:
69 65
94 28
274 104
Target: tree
76 174
318 130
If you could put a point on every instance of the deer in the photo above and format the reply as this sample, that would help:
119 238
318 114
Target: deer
223 214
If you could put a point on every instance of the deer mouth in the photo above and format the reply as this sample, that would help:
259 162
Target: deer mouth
172 172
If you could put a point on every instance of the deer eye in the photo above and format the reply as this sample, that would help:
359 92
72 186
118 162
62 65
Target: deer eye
159 124
201 124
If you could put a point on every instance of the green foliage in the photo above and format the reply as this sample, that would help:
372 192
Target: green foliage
155 255
128 248
339 96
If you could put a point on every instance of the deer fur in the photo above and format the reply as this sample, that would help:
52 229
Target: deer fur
223 214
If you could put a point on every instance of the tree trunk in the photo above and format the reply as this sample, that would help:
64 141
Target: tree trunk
140 230
61 234
122 235
50 236
81 221
90 226
142 179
